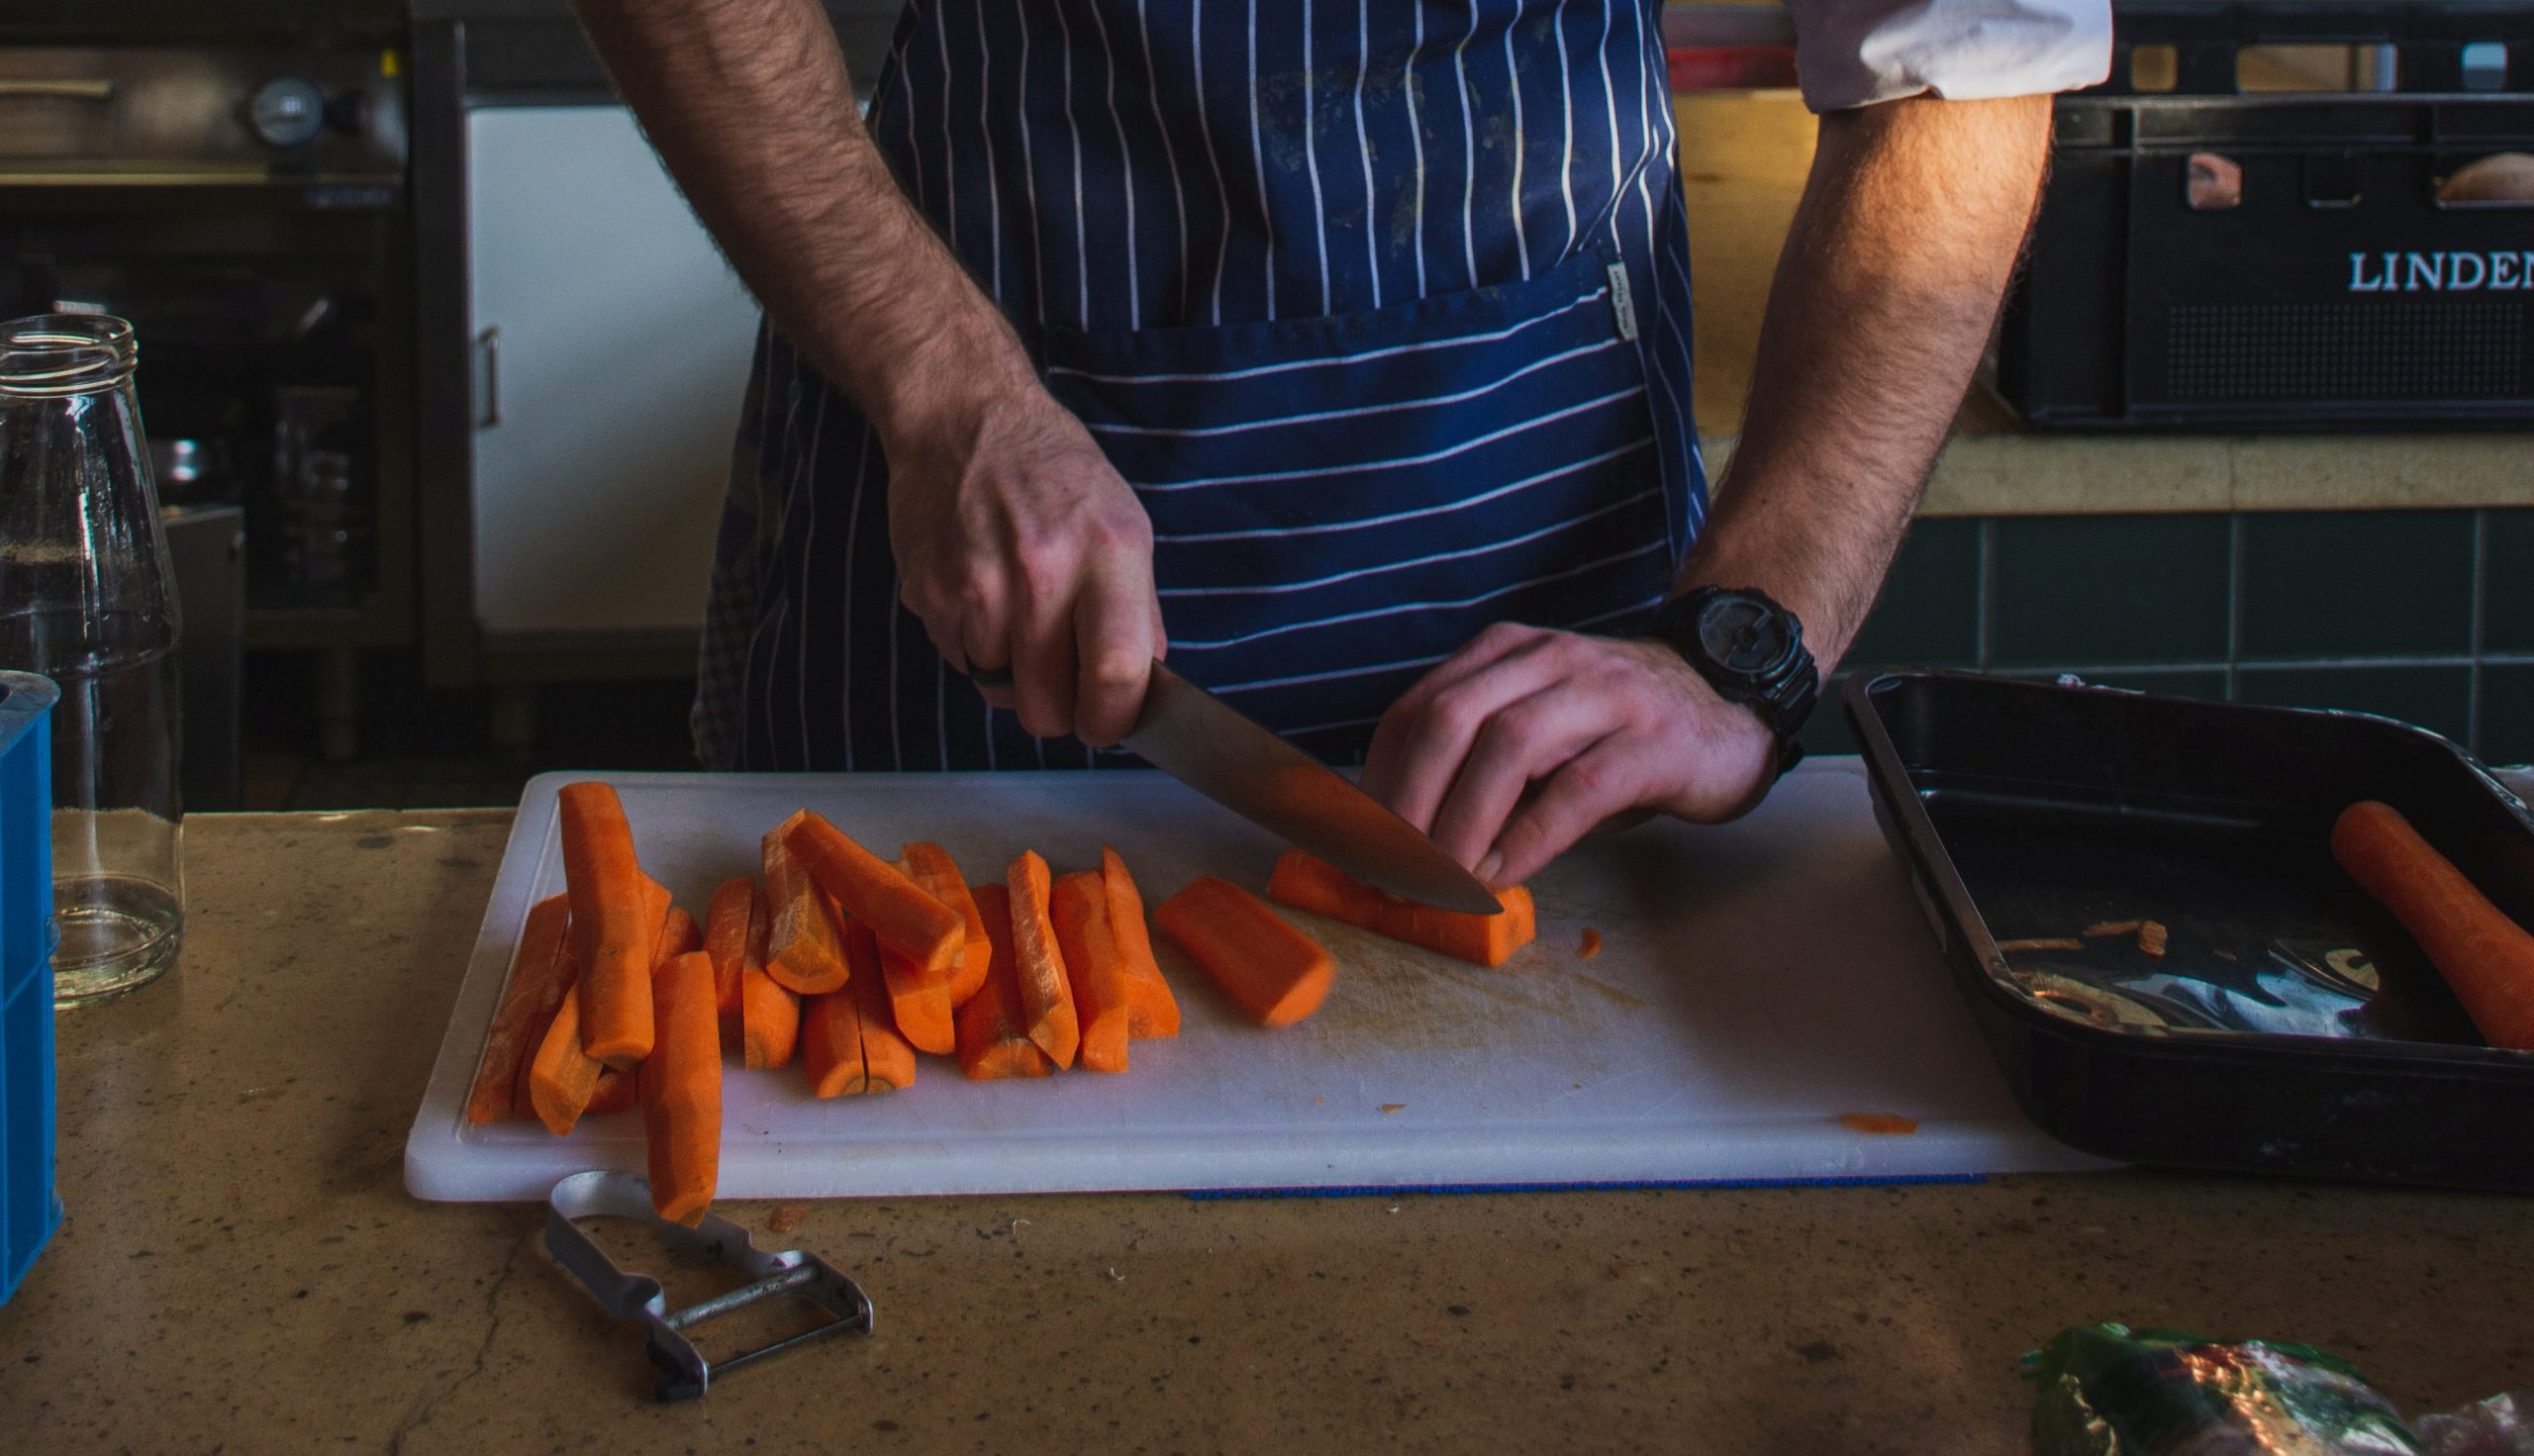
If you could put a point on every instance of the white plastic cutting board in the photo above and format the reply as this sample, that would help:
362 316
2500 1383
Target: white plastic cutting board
1756 982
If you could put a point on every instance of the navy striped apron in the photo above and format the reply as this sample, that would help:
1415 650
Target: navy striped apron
1381 306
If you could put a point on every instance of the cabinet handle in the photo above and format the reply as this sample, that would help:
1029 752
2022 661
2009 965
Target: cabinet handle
488 378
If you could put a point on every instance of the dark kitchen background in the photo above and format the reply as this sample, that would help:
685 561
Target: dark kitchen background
441 375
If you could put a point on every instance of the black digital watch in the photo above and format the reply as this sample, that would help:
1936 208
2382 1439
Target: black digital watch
1751 651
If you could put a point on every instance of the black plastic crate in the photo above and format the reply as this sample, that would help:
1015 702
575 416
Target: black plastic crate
2207 259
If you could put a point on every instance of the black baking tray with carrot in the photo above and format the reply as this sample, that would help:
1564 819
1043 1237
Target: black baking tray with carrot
2140 900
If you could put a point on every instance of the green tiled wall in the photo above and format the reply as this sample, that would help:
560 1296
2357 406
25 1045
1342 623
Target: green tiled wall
2099 590
2425 616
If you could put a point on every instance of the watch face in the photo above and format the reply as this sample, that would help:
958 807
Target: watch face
1742 635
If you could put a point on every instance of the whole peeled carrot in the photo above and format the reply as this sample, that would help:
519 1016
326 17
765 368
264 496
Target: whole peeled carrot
2486 958
1272 972
1047 992
937 875
540 975
874 892
562 1077
805 946
681 1091
1151 1010
1306 883
616 921
994 1035
1095 969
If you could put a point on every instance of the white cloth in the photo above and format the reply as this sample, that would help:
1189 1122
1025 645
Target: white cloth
1855 52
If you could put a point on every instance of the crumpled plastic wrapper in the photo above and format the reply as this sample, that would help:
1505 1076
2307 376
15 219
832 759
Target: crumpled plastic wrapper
2106 1390
2109 1391
2503 1425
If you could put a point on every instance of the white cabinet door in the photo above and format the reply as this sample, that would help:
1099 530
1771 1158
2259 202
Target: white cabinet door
606 400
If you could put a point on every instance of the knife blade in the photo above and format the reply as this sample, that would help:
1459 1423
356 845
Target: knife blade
1210 746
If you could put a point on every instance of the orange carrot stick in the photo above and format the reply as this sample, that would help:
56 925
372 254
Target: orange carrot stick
1151 1010
617 1092
1095 969
679 935
888 1058
681 1091
805 946
2486 958
872 891
563 1077
832 1042
770 1020
656 913
537 985
932 870
919 1001
567 974
1306 883
848 1045
613 922
1272 972
1046 997
730 924
994 1037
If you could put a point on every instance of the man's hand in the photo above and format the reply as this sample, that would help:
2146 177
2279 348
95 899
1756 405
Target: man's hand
1525 741
1017 545
1023 551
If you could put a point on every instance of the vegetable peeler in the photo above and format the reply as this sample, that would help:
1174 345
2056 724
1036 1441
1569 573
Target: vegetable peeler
683 1373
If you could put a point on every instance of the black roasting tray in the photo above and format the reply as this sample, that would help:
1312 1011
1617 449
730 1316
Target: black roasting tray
2292 1026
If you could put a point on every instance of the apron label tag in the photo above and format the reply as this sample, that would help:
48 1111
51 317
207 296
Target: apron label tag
1622 304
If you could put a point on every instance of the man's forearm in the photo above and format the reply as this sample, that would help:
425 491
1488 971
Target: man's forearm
1884 298
750 104
1015 541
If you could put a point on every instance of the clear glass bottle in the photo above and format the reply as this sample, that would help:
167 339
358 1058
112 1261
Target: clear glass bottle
87 599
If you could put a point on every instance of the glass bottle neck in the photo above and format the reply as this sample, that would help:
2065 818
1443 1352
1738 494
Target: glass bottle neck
51 355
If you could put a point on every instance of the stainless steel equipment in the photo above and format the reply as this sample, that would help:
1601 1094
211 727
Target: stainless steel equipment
682 1371
242 201
198 114
207 549
571 542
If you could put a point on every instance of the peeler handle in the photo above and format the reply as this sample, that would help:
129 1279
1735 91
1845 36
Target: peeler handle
683 1372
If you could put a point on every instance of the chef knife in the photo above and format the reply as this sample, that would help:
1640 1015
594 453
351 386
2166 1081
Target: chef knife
1208 745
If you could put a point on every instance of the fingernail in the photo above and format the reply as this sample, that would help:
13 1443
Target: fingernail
1488 867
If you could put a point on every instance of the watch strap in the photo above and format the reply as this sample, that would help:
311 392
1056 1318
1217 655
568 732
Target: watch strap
1784 697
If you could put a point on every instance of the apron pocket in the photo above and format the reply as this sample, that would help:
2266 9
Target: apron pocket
1341 501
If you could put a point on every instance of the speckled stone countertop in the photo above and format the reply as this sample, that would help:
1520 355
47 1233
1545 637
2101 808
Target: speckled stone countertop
242 1270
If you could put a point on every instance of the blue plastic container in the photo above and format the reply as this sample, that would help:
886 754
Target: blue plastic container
28 1211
